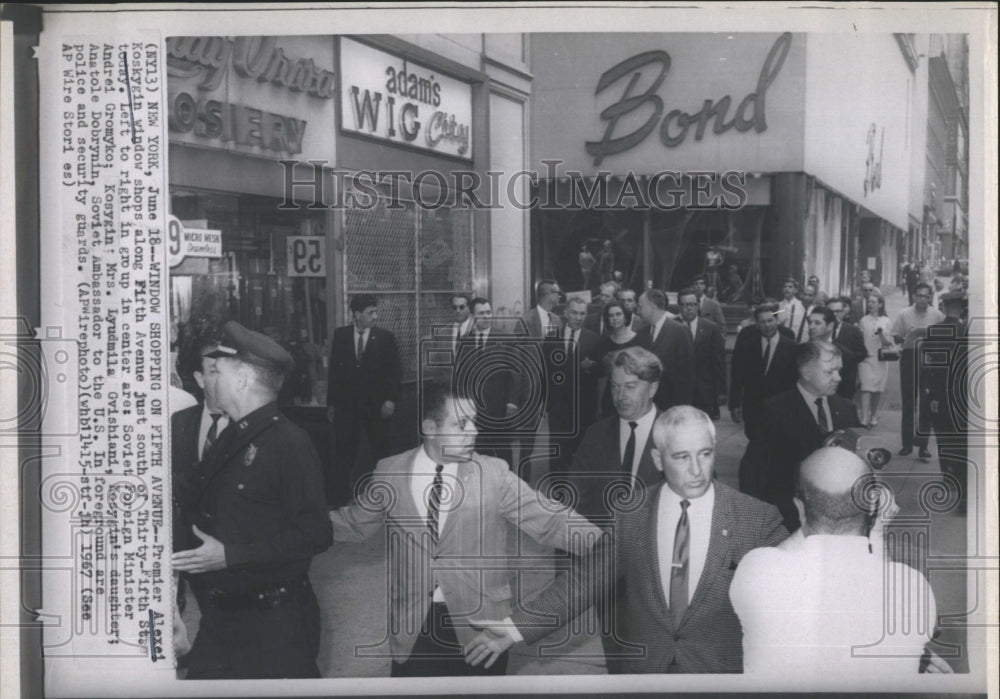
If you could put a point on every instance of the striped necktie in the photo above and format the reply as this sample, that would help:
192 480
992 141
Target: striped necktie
434 503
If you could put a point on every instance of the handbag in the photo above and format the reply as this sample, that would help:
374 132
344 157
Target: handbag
889 354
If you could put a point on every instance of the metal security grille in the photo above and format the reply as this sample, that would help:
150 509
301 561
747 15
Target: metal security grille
413 259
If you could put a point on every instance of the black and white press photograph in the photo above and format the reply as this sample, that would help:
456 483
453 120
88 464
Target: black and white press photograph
576 349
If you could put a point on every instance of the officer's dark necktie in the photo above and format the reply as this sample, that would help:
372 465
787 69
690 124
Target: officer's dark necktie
434 503
821 419
836 329
629 449
765 359
361 345
213 433
480 341
791 317
679 567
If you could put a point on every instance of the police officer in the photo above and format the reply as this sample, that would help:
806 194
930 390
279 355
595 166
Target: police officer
943 368
256 503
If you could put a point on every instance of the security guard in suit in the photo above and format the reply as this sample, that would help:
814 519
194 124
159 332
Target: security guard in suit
256 504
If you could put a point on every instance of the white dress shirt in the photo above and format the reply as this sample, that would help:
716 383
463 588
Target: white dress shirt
769 345
700 527
694 327
421 481
659 325
810 400
365 335
644 425
545 320
459 330
830 610
206 425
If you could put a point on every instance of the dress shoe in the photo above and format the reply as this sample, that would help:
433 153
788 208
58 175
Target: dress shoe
906 451
873 422
924 453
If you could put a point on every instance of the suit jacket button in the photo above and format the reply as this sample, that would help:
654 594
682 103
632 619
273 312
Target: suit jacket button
677 637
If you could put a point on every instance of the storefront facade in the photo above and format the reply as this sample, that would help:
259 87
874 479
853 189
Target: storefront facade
717 159
326 166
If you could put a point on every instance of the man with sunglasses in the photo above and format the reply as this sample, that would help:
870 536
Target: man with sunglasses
462 317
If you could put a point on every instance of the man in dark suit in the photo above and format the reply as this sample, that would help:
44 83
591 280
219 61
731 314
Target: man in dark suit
595 313
707 308
792 425
672 345
613 461
541 321
943 365
365 372
667 577
573 367
630 302
851 342
763 365
709 354
491 369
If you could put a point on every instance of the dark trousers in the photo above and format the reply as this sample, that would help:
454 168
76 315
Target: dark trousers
258 643
908 388
952 445
348 428
437 652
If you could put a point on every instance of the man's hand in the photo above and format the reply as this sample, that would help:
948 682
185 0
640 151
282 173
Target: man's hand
934 664
737 415
210 556
511 410
492 641
935 406
586 363
388 408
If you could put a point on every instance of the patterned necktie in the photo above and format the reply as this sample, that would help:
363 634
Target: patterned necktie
361 345
629 449
679 567
213 433
821 420
434 503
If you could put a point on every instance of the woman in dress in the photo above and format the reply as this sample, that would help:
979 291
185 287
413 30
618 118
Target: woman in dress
875 326
621 337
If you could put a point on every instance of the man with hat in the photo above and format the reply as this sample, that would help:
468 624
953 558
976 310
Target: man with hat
257 504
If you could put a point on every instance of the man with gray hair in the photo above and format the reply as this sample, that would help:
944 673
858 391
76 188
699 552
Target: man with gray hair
792 425
827 605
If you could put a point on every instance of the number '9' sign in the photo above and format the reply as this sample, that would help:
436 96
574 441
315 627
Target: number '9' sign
306 256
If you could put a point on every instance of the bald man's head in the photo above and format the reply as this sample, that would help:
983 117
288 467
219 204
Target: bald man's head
829 491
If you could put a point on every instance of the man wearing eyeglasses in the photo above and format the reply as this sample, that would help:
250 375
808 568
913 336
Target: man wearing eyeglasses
911 325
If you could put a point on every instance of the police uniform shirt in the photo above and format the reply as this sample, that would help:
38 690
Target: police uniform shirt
260 492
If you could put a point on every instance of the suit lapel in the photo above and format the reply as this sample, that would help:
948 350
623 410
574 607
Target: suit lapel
719 544
466 494
652 525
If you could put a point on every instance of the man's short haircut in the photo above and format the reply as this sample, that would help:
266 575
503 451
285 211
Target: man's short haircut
576 301
697 278
360 302
657 298
610 285
434 397
828 316
268 377
828 512
202 335
678 416
464 295
813 351
923 285
636 361
540 286
686 291
627 291
846 300
478 301
791 281
768 306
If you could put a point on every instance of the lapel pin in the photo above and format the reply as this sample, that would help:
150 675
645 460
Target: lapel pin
725 532
250 455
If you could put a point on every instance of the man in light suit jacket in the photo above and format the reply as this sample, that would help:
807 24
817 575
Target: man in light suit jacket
709 354
707 308
364 376
614 461
541 321
668 575
792 425
672 345
447 510
754 378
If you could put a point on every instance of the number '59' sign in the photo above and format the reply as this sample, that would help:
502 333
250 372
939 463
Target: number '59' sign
306 256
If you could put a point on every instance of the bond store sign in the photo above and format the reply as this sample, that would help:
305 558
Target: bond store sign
390 98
